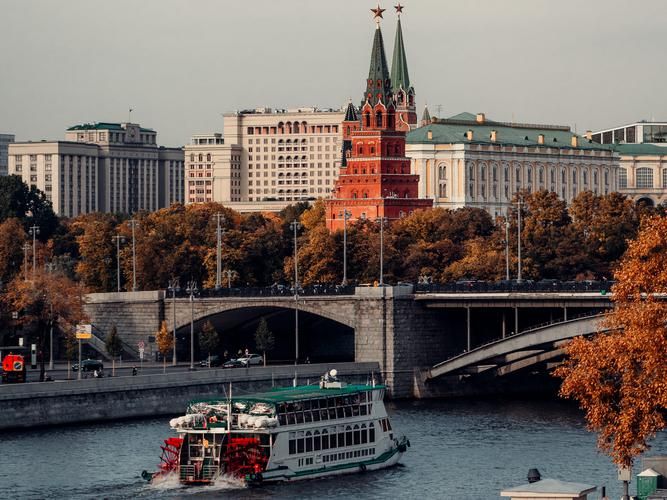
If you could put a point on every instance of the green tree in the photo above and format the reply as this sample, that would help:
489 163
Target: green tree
165 343
264 339
209 339
114 347
28 204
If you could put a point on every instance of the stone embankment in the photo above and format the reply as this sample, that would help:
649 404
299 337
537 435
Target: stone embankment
38 405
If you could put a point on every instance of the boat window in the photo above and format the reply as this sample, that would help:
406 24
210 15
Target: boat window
355 411
316 415
316 441
306 405
292 443
362 410
325 439
325 459
339 401
362 397
299 417
324 414
340 411
348 411
364 434
355 399
282 418
341 456
371 433
341 438
356 453
307 416
300 445
348 436
357 435
309 442
388 424
332 440
291 418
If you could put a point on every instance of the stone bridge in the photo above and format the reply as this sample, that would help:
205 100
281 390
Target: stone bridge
406 333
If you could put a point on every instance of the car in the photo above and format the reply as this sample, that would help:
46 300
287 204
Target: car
88 365
251 359
212 361
233 363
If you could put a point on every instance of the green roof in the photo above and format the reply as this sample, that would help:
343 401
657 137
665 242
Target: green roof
399 65
289 394
640 150
453 131
104 126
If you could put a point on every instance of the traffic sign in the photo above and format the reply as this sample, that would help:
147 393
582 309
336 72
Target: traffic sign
84 331
141 345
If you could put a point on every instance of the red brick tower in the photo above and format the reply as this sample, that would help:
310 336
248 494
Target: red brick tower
375 179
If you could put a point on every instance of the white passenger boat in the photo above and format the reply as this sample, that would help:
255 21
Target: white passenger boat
286 434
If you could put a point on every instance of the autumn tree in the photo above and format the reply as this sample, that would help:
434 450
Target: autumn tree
48 299
619 377
114 346
209 339
165 343
96 266
12 238
264 338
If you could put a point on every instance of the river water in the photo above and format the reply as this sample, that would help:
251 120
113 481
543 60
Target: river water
460 450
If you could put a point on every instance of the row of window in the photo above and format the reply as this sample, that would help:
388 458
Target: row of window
643 177
334 457
330 438
293 128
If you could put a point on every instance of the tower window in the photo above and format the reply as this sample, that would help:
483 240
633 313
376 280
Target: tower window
368 119
379 118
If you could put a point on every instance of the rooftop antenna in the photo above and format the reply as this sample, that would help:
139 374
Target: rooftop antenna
129 115
438 108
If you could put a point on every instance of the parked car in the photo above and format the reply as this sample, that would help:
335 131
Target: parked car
88 365
251 359
233 363
214 361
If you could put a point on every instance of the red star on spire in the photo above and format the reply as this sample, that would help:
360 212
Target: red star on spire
399 8
377 13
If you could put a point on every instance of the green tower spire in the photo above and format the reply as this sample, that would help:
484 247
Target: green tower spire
378 72
399 64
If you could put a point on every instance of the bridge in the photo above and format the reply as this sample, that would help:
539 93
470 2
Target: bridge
408 332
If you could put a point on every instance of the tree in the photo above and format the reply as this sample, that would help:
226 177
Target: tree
28 204
165 343
12 238
209 339
114 346
619 377
94 236
264 339
48 299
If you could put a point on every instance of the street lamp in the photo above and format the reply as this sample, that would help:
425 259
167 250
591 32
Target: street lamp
26 249
34 231
118 239
295 225
507 249
346 215
518 253
219 232
381 221
49 268
192 290
174 288
229 273
134 223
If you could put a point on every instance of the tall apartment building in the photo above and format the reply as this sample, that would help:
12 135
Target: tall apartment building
642 147
266 159
468 160
107 167
5 140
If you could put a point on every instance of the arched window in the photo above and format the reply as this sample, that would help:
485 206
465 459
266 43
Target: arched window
574 176
664 177
201 157
208 157
378 118
192 157
347 131
360 150
367 119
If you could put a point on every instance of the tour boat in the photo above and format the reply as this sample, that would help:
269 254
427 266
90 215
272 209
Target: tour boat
284 434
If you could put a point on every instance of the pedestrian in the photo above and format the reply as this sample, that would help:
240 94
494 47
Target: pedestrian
247 352
307 360
239 354
134 371
225 356
95 374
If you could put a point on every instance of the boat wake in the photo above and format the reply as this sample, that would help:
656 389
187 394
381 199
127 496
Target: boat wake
171 482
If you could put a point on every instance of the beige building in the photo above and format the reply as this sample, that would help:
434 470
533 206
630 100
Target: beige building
107 167
468 160
267 160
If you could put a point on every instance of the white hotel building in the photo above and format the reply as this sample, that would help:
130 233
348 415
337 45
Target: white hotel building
105 167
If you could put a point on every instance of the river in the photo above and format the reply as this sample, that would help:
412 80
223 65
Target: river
460 450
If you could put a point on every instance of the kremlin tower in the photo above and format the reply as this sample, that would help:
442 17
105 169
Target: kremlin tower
375 179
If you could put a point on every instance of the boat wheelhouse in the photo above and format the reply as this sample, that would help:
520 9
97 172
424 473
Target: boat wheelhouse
284 434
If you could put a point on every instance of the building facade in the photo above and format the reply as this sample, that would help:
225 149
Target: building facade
107 167
5 140
375 181
642 147
212 169
467 160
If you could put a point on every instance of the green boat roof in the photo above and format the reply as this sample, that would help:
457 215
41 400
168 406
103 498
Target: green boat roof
289 394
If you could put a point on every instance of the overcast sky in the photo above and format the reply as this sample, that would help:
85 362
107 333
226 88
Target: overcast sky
181 63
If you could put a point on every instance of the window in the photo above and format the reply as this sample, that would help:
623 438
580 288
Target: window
644 177
664 177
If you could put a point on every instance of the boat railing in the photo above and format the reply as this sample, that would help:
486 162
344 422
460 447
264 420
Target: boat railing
187 472
209 472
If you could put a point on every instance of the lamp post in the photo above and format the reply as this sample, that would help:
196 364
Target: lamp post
381 221
346 215
219 231
134 223
518 253
173 288
507 250
229 273
118 239
26 249
295 225
192 290
49 268
34 231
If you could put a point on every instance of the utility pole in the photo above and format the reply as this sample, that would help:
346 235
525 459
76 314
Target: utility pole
26 249
192 290
118 239
346 215
518 253
507 249
134 223
173 288
34 231
295 225
381 221
218 233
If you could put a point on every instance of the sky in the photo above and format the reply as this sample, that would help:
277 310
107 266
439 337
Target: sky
180 64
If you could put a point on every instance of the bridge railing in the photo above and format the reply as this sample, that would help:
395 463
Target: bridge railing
508 286
270 291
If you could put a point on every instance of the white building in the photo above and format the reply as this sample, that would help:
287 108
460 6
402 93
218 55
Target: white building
468 160
266 159
5 140
107 167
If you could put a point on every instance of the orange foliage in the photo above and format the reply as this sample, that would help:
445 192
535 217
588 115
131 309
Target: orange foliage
620 376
